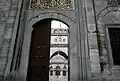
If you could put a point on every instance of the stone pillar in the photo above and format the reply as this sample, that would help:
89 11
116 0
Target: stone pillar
93 42
84 60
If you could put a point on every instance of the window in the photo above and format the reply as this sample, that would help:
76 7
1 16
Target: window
63 40
55 40
57 72
64 70
51 72
65 31
64 73
60 39
60 31
114 35
55 31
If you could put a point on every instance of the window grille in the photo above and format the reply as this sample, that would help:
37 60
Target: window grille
113 2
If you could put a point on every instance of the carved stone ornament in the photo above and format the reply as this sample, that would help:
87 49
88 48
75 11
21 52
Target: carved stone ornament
45 4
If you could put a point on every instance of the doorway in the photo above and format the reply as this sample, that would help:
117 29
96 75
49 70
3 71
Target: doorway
39 52
48 36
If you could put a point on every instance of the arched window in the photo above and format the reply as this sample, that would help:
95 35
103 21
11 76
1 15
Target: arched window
55 31
60 31
60 39
64 70
65 31
63 40
55 39
64 73
57 71
51 71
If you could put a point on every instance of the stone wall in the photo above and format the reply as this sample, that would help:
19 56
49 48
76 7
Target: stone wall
89 53
11 20
104 16
8 11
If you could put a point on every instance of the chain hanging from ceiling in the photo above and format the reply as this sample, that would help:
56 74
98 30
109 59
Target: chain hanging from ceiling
45 4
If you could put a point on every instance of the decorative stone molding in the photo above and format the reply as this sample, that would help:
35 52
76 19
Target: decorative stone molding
54 15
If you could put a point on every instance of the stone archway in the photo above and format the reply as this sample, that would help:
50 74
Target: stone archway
27 49
27 38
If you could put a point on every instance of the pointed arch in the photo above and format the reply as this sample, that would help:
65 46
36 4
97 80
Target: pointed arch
60 53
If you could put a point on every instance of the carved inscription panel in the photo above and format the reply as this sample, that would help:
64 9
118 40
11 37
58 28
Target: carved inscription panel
53 4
